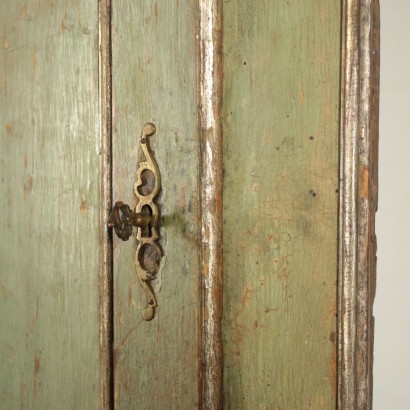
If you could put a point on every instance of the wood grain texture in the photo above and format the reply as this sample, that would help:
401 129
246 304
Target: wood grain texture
280 120
154 79
49 159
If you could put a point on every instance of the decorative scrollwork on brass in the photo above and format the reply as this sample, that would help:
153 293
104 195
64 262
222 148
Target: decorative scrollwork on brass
148 254
145 218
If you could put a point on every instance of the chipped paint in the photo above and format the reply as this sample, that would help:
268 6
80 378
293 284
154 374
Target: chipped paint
359 118
210 20
34 60
363 181
36 371
48 166
106 251
84 208
28 186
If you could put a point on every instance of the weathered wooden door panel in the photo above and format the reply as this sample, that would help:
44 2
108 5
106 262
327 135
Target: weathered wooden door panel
154 79
281 63
266 141
49 161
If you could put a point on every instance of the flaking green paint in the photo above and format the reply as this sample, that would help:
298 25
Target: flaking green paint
280 119
49 196
154 72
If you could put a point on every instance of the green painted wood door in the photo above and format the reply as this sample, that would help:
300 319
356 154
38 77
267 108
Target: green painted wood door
49 161
280 121
246 100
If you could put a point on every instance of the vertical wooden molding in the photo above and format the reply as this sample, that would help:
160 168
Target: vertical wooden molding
358 201
210 101
106 280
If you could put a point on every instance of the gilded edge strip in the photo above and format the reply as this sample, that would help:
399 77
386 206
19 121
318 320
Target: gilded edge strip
210 128
105 279
358 201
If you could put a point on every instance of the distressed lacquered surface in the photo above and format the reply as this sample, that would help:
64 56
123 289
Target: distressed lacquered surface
211 252
280 119
358 201
49 161
154 71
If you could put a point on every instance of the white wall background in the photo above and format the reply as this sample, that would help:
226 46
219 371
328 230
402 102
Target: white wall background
392 305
